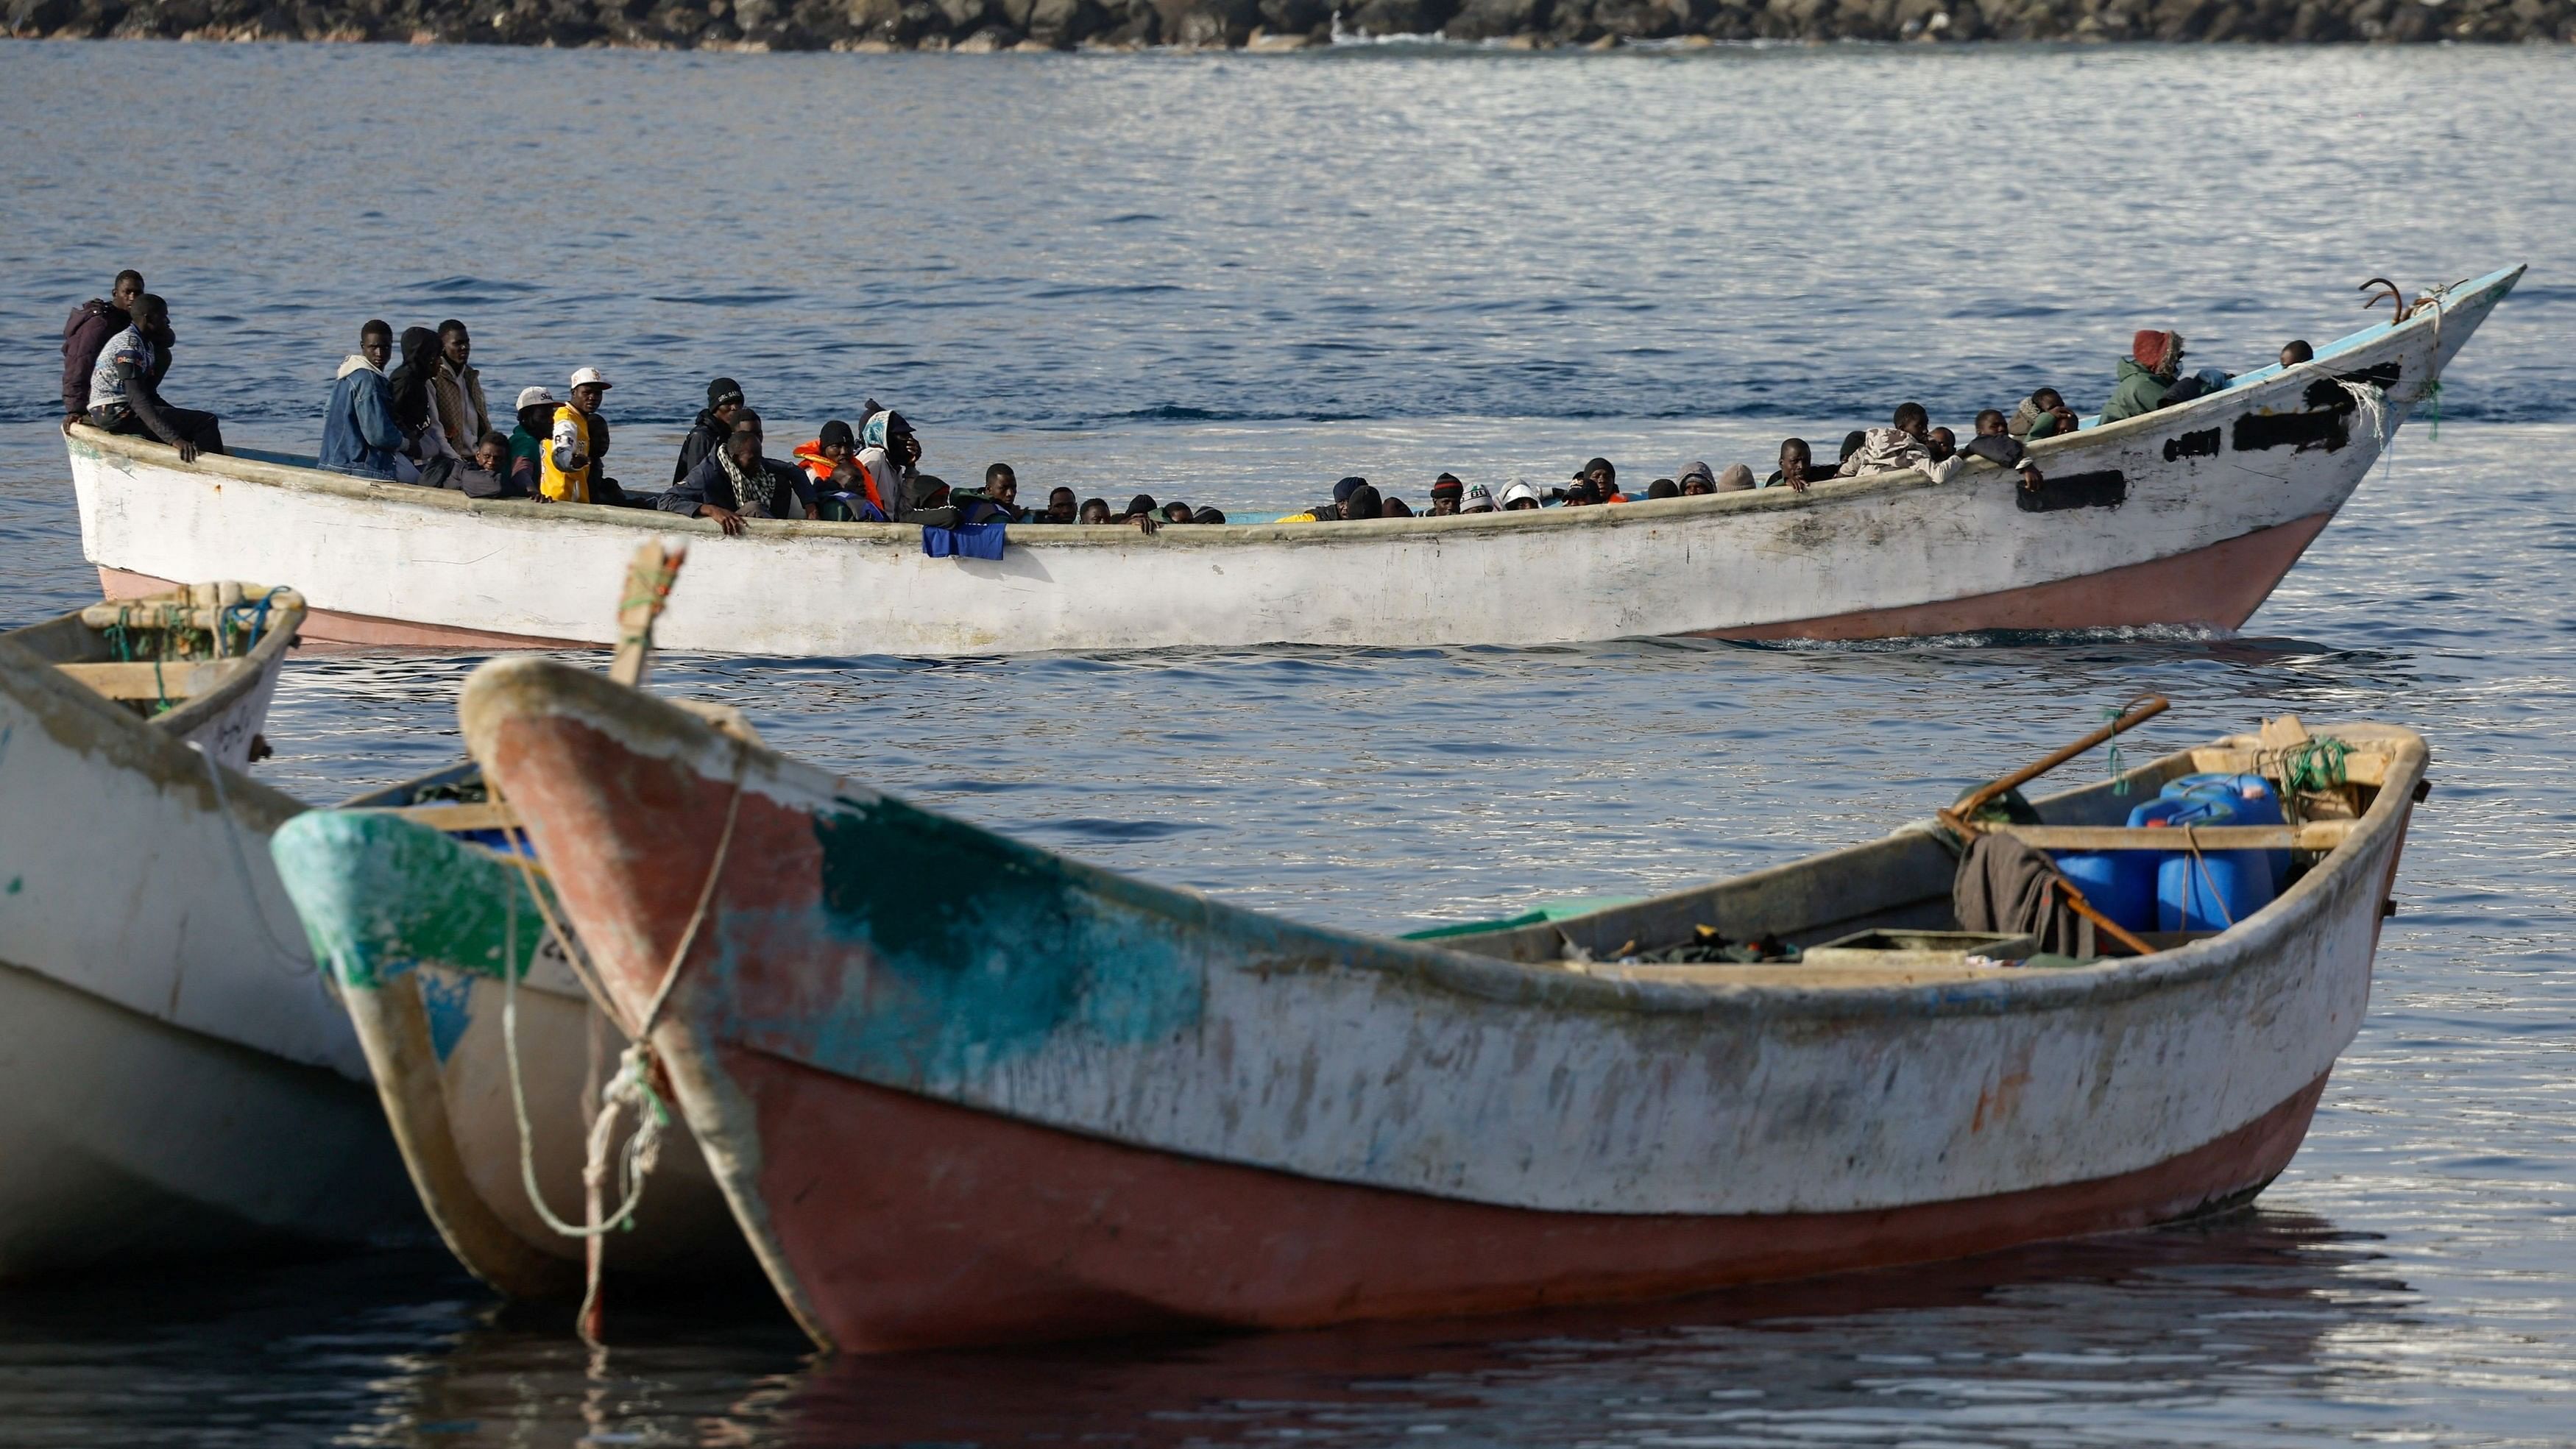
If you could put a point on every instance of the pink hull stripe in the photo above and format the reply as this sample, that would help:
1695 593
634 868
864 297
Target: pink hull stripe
325 629
911 1223
2218 587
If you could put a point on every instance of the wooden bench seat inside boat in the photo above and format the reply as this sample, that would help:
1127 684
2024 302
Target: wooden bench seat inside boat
1903 882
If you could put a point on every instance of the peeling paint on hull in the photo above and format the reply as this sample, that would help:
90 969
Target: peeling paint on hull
1307 1087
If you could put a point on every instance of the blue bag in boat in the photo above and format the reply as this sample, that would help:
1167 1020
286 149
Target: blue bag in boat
966 540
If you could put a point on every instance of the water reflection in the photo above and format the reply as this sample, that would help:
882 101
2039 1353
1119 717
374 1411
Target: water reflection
2136 1330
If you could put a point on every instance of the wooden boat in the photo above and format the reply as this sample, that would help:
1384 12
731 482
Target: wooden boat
2187 516
961 1090
414 906
175 1078
200 661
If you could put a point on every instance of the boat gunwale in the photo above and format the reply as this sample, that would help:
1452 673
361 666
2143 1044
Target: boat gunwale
256 663
91 724
2251 396
529 683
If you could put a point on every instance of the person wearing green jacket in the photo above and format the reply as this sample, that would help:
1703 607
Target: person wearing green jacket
2145 376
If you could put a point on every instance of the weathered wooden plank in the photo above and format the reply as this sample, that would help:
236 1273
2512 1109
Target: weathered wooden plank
2315 835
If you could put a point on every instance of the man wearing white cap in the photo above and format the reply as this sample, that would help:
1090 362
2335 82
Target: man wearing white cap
568 453
528 443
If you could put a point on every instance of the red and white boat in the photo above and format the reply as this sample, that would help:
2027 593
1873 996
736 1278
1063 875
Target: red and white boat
960 1090
2187 516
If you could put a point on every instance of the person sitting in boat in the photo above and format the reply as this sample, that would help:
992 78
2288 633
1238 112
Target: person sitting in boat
890 451
998 501
86 334
1604 481
2151 377
125 390
1478 499
713 425
2296 351
1062 507
1696 481
1208 515
1797 466
528 441
1328 512
359 434
426 456
2043 414
457 389
1736 479
1392 507
570 459
1178 512
1094 510
1905 443
1519 496
735 482
485 473
1663 488
1994 443
1853 442
1446 493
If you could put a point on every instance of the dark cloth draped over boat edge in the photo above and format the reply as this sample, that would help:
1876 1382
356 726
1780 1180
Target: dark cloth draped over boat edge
2005 885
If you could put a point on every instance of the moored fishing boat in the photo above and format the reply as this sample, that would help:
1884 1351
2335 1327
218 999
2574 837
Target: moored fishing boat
1059 1101
414 907
2185 516
200 661
175 1078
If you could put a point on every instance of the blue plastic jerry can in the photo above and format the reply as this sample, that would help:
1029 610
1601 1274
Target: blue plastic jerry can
2211 890
2121 884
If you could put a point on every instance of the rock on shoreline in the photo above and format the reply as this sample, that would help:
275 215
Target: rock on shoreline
992 25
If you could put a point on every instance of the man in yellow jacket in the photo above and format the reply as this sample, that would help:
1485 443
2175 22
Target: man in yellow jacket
568 455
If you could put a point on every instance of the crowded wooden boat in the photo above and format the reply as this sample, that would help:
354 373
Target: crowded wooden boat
2187 513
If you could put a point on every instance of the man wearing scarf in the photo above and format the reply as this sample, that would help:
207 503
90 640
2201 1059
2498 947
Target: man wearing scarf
735 482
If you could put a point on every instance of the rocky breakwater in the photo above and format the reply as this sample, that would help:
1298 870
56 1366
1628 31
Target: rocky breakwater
990 25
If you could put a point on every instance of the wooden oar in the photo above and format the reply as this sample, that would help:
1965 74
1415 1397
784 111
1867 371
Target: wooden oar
1962 817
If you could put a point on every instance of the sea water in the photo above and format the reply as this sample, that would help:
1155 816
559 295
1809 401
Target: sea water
1234 279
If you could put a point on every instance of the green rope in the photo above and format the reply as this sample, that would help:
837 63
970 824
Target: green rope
2316 765
2119 786
2433 395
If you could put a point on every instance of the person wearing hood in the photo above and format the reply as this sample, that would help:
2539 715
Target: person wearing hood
85 335
715 420
1697 480
1519 496
456 390
890 451
735 482
426 455
359 434
2146 378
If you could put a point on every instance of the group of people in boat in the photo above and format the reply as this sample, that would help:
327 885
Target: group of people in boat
424 419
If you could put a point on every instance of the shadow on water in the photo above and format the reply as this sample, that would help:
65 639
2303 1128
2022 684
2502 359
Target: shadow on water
401 1348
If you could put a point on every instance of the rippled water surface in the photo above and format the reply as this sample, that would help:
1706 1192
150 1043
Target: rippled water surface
1236 279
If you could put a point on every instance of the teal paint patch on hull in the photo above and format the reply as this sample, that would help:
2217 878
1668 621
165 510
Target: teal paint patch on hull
981 950
379 895
447 999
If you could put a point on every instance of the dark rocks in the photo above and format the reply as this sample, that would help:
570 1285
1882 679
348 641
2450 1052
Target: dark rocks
995 25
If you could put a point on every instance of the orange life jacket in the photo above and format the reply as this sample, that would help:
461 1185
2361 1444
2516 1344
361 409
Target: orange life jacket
810 456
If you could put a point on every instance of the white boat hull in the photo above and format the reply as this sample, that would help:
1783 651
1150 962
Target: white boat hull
2207 518
172 1068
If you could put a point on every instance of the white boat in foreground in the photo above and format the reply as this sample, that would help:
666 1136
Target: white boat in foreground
175 1077
199 661
2187 516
